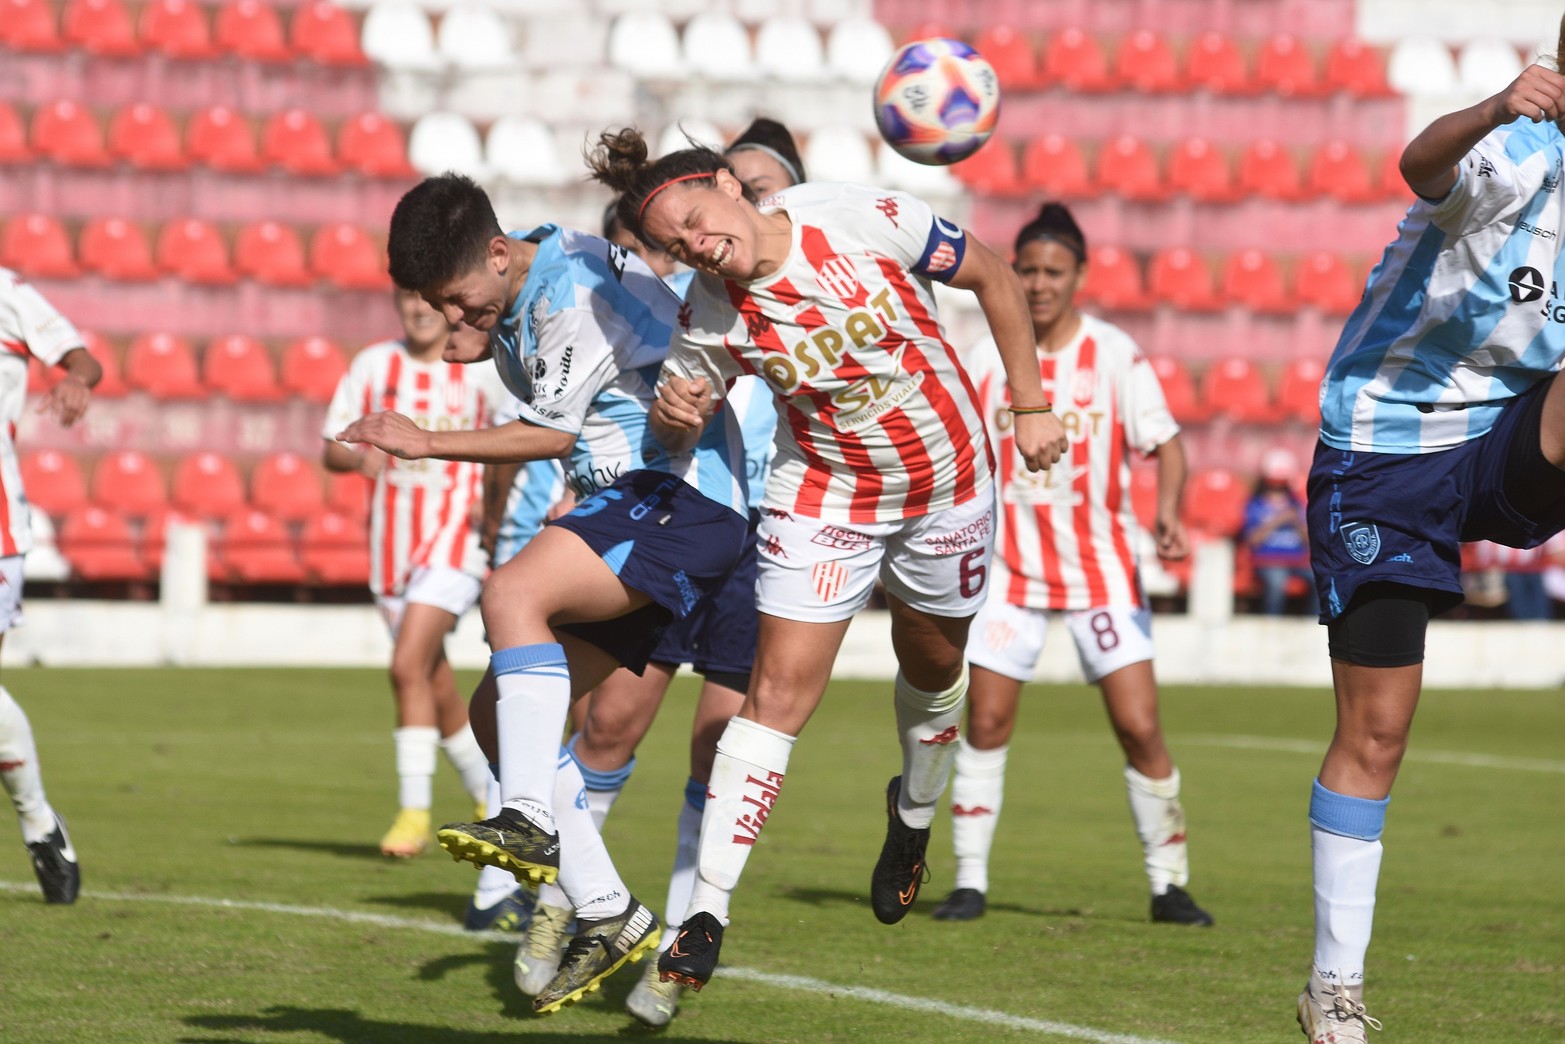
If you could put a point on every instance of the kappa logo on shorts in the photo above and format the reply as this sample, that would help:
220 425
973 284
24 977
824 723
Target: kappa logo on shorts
830 578
1363 541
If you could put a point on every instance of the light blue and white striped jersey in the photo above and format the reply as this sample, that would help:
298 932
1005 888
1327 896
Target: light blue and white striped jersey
538 487
581 348
1464 311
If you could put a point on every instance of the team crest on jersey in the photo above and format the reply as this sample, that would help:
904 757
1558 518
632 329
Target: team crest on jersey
943 258
837 276
830 578
1084 385
1363 540
999 635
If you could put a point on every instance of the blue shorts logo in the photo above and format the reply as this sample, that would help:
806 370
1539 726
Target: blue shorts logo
1363 540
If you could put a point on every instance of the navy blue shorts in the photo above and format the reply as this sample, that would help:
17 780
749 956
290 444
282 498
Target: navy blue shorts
1402 517
719 636
664 539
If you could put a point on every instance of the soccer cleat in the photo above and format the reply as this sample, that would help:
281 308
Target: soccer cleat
598 950
54 861
409 834
509 914
510 841
692 958
900 870
538 957
1331 1013
654 1001
1176 907
964 904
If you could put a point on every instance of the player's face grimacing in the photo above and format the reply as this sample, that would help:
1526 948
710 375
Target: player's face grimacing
477 297
1050 275
710 228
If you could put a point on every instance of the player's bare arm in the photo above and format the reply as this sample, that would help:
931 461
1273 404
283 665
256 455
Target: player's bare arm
1040 437
508 443
1429 161
681 411
68 400
363 460
1173 543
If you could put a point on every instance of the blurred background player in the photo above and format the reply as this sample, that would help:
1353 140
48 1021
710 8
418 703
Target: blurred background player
765 158
31 328
1068 541
1442 421
1275 532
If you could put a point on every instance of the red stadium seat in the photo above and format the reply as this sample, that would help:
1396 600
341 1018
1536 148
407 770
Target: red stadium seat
1357 68
177 28
1146 64
271 253
1389 180
30 25
288 486
163 366
311 368
102 27
349 493
194 251
1178 389
1325 281
37 245
112 386
207 485
1267 169
1214 63
1114 280
1298 393
295 141
1053 164
373 145
1199 170
1179 277
129 482
145 137
325 33
1284 65
335 549
1234 388
1011 54
255 549
99 546
1075 60
66 133
347 256
53 481
222 139
13 135
991 171
1127 167
1252 279
251 29
1214 502
1338 170
117 249
241 368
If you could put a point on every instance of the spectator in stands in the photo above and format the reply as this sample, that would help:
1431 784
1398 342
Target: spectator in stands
31 328
1442 420
1275 532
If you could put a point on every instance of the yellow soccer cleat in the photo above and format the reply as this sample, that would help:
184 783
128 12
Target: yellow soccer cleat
409 834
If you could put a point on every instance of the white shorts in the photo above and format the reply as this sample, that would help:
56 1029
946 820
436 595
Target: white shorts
821 572
1008 639
440 586
10 592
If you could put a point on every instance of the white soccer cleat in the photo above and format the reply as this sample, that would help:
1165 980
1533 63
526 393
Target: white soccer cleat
653 1001
538 957
1331 1013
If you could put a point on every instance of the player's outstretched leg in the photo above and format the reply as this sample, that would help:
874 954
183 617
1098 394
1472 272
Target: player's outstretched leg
901 870
598 950
43 830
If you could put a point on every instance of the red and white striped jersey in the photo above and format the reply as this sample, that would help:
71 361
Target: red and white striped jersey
421 511
1068 536
29 327
877 419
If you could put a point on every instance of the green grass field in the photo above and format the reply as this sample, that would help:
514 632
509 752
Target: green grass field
268 789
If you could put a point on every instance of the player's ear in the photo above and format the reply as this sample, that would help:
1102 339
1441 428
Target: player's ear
730 186
499 254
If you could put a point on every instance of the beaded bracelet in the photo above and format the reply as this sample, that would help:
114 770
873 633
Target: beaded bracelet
1045 408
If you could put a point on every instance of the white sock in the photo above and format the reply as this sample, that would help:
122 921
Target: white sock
494 883
1160 823
747 774
534 683
683 880
1346 871
587 874
19 771
464 754
416 765
928 724
552 894
600 801
977 792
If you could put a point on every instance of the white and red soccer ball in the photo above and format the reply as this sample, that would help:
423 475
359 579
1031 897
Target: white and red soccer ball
937 101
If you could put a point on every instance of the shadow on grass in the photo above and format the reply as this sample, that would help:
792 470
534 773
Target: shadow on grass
453 904
345 849
824 897
346 1025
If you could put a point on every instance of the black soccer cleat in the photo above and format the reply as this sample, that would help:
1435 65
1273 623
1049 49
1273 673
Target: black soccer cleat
964 904
1176 907
54 861
692 958
510 841
900 871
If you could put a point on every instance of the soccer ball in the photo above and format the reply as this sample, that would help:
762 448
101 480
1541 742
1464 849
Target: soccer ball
937 101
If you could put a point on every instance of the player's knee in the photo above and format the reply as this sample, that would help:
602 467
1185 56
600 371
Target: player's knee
989 727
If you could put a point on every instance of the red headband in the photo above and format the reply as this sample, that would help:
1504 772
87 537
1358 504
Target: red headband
666 184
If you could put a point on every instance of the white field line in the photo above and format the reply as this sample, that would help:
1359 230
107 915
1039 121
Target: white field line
798 984
1439 757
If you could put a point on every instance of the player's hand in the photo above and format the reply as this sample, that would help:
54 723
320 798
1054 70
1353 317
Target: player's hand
1173 543
1538 94
66 401
1040 438
392 432
683 405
